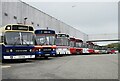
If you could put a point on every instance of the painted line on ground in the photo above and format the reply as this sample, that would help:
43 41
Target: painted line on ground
5 66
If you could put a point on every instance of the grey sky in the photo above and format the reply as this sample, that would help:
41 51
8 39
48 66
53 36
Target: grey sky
88 17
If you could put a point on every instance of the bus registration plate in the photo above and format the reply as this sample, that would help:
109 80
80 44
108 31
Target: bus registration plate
22 56
47 54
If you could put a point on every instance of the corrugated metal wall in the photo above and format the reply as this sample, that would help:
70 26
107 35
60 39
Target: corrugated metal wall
37 18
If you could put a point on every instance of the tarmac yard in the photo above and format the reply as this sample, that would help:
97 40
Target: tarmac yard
104 66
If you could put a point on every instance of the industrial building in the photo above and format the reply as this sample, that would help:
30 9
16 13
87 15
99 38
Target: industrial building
21 12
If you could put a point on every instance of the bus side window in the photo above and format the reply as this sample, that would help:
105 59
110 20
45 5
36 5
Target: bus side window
1 39
68 42
34 39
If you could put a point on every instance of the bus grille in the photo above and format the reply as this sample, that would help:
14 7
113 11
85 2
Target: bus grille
21 50
46 49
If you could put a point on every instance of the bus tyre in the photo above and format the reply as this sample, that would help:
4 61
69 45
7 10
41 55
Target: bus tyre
36 56
46 57
24 60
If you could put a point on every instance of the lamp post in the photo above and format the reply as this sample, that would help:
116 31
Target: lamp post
47 28
25 20
15 19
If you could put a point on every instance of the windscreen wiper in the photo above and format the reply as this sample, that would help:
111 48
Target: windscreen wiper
16 41
25 42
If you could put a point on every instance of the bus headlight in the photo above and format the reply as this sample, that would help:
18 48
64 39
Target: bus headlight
8 28
11 50
39 50
30 50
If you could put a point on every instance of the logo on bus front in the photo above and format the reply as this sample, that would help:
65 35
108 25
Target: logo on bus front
46 49
21 50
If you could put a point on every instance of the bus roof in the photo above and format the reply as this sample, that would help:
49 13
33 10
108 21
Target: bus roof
72 39
78 40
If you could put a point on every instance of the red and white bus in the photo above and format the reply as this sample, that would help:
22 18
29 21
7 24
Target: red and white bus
87 48
78 45
72 43
112 50
62 43
91 48
96 49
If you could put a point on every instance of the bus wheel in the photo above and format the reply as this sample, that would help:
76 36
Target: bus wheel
36 56
24 60
46 57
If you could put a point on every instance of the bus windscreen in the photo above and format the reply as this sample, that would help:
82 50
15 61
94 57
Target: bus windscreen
19 38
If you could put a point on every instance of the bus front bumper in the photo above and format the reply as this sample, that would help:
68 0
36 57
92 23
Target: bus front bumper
41 53
19 57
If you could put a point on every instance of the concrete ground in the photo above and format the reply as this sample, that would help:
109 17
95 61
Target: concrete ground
104 66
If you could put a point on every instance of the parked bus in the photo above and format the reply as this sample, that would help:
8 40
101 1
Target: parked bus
78 45
112 50
88 48
62 43
96 49
72 43
103 49
17 41
45 40
91 48
85 48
